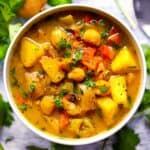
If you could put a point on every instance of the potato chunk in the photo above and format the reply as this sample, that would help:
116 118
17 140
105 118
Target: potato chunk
119 90
56 36
52 68
88 101
124 62
109 109
74 126
92 36
47 105
67 20
77 74
30 52
87 128
35 83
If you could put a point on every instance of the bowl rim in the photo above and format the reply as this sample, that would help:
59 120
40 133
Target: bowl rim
69 141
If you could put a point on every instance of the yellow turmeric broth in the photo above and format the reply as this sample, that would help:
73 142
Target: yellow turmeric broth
74 75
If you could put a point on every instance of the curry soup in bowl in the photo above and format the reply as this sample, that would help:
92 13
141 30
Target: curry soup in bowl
75 74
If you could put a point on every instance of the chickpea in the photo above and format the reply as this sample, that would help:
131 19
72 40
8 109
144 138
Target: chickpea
77 74
92 36
56 36
47 105
130 77
31 7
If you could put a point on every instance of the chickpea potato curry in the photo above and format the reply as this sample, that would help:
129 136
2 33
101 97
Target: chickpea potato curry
74 75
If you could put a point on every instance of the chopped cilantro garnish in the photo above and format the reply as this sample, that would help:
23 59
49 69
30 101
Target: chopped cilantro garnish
63 92
23 93
104 34
67 55
78 55
90 83
103 89
63 44
102 23
58 102
32 88
23 107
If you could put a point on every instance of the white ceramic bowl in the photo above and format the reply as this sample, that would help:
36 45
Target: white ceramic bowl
135 43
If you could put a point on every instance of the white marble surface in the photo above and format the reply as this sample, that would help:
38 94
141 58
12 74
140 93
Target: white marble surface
24 136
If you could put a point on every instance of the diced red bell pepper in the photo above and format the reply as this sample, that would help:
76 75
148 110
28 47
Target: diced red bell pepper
87 19
113 30
107 52
89 60
20 99
115 39
63 120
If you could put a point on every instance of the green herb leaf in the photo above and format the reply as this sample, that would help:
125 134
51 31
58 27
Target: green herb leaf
58 102
63 92
32 88
58 2
7 13
15 5
144 109
55 146
24 107
90 83
67 55
146 49
103 89
23 93
78 55
127 139
63 44
33 147
1 147
104 34
6 117
102 23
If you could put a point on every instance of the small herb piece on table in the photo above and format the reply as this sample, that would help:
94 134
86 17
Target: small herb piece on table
58 102
33 147
127 139
9 139
55 146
